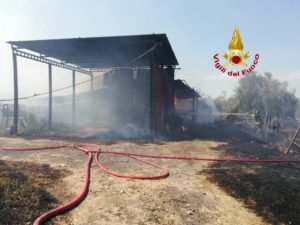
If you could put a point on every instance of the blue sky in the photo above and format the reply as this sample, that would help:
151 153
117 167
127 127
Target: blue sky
196 30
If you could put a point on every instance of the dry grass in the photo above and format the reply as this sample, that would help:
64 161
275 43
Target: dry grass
23 191
195 192
272 191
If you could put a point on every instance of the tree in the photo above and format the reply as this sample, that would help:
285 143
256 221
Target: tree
262 93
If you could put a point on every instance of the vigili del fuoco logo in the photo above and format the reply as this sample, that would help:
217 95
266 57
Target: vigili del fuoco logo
235 57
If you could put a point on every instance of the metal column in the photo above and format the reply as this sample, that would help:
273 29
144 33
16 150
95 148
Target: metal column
73 99
92 82
16 103
50 97
194 111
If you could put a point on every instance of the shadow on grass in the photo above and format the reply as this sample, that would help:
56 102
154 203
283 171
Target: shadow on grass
272 191
219 132
22 191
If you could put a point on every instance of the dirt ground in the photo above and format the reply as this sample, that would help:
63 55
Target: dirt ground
23 194
194 193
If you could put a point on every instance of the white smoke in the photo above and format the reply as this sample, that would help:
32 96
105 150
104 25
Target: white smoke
207 112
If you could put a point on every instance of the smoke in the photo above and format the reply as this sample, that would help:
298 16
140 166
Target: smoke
117 107
127 131
207 112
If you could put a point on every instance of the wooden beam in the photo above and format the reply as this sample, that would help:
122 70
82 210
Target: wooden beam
292 142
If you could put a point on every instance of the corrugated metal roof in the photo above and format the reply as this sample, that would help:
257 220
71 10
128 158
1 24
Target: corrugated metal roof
184 91
103 52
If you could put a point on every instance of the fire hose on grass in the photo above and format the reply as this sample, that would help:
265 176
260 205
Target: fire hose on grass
93 151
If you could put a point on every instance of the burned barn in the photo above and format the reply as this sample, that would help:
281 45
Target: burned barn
137 79
185 100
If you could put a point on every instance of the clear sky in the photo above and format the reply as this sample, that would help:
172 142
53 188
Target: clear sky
196 30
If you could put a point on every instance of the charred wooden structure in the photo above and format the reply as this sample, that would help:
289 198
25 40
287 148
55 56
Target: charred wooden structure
140 66
186 99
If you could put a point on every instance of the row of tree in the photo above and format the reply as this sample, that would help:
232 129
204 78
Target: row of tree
260 93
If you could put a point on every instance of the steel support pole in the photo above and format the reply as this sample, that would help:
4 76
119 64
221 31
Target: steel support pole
73 99
16 102
92 82
194 111
152 93
50 97
152 99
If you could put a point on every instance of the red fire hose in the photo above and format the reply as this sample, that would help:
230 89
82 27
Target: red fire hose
165 171
72 203
94 151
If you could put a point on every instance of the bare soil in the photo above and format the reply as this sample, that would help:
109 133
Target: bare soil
195 193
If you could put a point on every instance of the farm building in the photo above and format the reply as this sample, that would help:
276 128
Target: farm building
186 100
137 75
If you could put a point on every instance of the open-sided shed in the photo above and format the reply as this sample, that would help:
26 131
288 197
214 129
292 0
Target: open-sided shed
151 52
